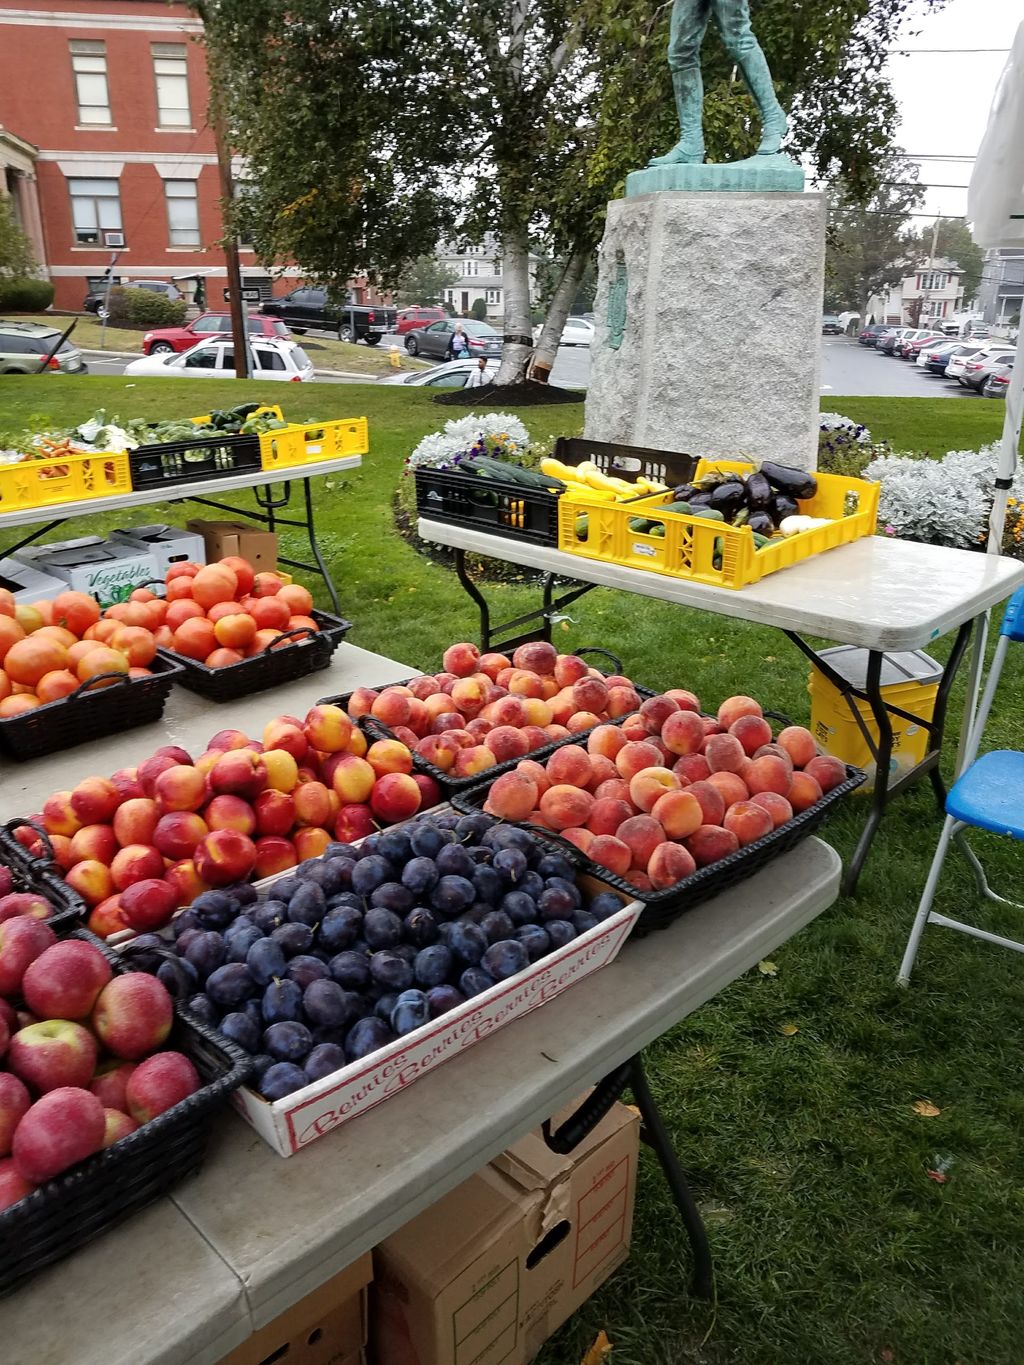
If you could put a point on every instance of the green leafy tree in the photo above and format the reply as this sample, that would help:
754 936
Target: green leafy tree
16 259
424 281
954 242
870 246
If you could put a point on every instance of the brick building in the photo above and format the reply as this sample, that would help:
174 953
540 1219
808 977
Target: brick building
105 145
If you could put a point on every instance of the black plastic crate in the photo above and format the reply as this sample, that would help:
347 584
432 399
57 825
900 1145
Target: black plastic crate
508 509
628 462
105 1189
40 872
308 651
662 907
105 705
170 462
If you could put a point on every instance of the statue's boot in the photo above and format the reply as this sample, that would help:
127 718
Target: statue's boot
689 91
774 125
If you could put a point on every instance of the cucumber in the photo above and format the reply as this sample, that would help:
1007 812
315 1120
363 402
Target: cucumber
707 514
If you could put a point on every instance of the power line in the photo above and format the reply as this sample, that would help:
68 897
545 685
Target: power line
948 51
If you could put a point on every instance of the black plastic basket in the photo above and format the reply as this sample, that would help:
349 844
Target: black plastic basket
104 705
105 1189
308 652
488 505
662 907
627 462
170 462
40 873
376 729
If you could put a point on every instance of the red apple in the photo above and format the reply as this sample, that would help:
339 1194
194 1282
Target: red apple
159 1083
116 1126
133 1015
61 1129
65 980
52 1054
22 940
12 1187
109 1082
15 1102
31 904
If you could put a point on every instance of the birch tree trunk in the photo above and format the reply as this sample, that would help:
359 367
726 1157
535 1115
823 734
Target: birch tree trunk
558 311
518 348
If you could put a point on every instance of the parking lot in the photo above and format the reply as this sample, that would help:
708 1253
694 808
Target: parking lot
853 370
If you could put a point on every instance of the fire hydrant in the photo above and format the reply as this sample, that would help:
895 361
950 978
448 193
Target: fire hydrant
395 357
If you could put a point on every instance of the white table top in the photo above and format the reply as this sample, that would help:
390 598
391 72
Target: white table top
878 593
284 1226
201 488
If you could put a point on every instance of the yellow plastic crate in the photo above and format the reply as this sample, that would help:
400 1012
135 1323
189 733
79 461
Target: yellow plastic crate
264 410
309 442
69 478
687 549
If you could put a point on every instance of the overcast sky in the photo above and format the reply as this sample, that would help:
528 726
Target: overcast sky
944 97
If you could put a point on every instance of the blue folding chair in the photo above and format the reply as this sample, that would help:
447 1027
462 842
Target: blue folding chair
989 794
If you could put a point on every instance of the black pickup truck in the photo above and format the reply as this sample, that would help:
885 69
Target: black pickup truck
305 308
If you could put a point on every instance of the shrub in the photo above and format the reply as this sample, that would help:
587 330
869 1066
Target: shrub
845 447
479 310
25 295
144 308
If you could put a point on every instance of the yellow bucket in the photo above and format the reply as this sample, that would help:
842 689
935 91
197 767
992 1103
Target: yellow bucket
909 680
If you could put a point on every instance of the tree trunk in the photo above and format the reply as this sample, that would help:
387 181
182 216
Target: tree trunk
558 311
518 348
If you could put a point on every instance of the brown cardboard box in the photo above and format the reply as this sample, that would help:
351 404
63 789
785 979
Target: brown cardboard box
492 1270
327 1327
223 538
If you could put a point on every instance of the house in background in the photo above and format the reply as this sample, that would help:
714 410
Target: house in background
932 294
480 273
1001 292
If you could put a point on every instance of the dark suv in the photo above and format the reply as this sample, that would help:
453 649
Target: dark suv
305 308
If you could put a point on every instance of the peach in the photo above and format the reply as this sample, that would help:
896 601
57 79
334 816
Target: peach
777 807
312 803
590 694
135 821
656 711
225 856
513 796
731 787
492 664
733 707
425 687
391 707
712 801
94 801
601 770
561 706
58 816
327 729
274 812
749 822
284 733
461 659
106 918
537 774
799 744
447 720
606 740
395 797
615 789
570 766
691 768
582 838
505 742
710 843
446 681
607 814
642 834
570 669
151 768
752 732
582 721
634 727
92 880
524 684
180 788
565 806
669 865
724 753
148 904
239 772
827 771
776 750
621 701
357 744
360 701
418 717
176 834
536 656
612 853
636 755
224 740
389 756
229 812
310 842
282 770
649 785
537 737
274 854
353 779
94 841
685 700
554 732
61 846
185 881
507 711
474 759
440 750
804 791
439 704
679 813
134 863
767 774
126 780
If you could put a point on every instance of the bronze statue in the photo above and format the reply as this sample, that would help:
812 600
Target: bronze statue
689 24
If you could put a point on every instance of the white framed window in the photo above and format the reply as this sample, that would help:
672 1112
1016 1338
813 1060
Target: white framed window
89 65
494 296
170 70
469 267
497 268
933 279
182 212
95 209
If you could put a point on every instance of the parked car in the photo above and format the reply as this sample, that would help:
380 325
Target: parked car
215 359
889 338
831 326
868 336
24 345
930 355
165 339
305 308
454 374
94 301
998 381
957 367
576 332
435 339
411 319
910 349
978 368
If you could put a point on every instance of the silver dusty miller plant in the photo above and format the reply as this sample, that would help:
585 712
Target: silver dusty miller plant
942 502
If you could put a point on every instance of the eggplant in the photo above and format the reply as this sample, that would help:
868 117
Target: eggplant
684 492
795 483
758 492
727 498
699 500
783 506
761 523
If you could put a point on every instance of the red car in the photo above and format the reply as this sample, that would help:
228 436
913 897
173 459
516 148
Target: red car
411 318
163 339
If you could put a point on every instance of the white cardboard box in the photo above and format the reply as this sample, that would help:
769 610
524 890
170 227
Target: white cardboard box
290 1124
28 583
107 571
167 544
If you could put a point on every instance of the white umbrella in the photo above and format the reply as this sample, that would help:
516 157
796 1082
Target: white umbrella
995 208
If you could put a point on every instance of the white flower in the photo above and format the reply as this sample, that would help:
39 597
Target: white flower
835 421
500 433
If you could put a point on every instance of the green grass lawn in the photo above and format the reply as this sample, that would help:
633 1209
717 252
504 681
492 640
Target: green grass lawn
833 1245
326 353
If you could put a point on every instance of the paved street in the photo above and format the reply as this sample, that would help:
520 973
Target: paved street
860 371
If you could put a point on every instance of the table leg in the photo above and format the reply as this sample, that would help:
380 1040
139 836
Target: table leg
938 726
873 692
537 622
474 592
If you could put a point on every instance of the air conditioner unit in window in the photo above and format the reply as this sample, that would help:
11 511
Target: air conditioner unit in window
113 239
